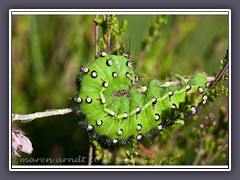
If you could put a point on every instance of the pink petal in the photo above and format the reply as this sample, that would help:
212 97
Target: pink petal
20 143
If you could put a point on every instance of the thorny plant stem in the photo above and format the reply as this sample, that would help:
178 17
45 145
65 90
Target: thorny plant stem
37 115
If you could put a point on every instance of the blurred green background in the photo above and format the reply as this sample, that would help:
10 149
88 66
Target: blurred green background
47 51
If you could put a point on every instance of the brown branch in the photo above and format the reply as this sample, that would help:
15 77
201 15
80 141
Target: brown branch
220 76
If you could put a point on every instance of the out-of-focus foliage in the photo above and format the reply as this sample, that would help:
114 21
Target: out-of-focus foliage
47 52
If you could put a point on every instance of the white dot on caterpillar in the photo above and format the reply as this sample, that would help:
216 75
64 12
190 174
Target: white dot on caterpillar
159 127
174 106
105 84
89 128
204 99
156 116
103 54
129 63
139 127
128 75
188 87
78 99
200 89
208 84
193 110
109 62
139 137
136 78
112 113
126 55
154 100
170 93
138 110
84 69
125 115
99 122
94 74
88 100
115 141
120 132
103 101
114 74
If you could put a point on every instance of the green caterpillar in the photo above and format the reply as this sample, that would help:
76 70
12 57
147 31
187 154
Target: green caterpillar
116 106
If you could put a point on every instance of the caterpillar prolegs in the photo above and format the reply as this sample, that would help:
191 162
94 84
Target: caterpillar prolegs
117 106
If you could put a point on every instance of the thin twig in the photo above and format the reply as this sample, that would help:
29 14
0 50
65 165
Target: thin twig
220 76
108 40
37 115
199 152
96 39
90 154
175 83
